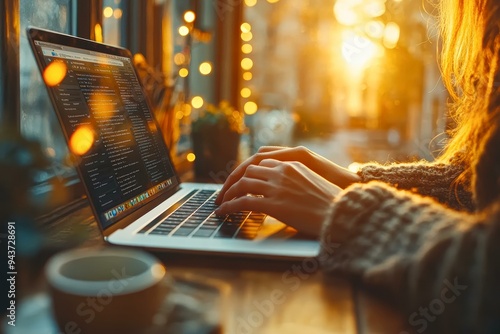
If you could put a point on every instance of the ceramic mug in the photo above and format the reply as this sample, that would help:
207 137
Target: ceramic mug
106 290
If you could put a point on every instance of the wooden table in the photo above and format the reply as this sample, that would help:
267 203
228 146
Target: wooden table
267 296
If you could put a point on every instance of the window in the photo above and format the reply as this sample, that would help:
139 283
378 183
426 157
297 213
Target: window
38 120
367 66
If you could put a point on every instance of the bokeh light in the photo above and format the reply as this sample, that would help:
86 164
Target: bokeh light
191 157
246 36
246 92
189 16
250 108
179 59
205 68
98 33
81 140
55 73
391 35
245 27
107 12
183 30
246 48
246 64
183 72
197 102
247 76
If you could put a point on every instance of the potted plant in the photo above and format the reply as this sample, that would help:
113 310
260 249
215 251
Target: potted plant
215 133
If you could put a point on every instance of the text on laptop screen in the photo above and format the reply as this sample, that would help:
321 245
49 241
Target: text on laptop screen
127 163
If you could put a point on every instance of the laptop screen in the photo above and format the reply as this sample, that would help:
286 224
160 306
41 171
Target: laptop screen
123 161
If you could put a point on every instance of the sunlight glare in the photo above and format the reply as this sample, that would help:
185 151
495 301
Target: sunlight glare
357 50
345 12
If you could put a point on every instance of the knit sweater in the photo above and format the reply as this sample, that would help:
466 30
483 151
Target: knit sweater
405 232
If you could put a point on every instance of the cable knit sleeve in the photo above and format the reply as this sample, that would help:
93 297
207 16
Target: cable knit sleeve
429 179
438 264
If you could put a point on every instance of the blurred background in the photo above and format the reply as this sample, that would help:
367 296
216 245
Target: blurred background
354 80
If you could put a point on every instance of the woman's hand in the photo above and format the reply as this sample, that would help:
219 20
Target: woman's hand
315 162
287 191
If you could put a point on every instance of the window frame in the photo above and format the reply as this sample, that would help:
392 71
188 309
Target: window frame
84 14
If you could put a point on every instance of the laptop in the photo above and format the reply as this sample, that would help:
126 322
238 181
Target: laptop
135 193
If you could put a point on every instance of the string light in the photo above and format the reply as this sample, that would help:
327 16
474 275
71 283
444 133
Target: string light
250 108
197 102
183 30
245 27
117 13
205 68
189 16
179 59
246 64
246 48
246 92
107 12
247 76
250 3
246 36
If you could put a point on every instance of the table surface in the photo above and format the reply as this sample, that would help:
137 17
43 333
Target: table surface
267 296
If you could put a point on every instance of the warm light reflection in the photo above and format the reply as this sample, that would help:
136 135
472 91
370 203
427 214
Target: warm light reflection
197 102
245 27
183 30
205 68
189 16
179 114
183 72
179 59
55 73
250 3
107 12
247 76
345 13
358 50
250 108
354 167
81 140
117 14
246 92
246 64
272 1
246 36
375 29
98 33
391 35
158 271
375 8
246 48
191 157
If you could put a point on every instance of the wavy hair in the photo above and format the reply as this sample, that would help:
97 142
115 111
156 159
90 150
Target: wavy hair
470 31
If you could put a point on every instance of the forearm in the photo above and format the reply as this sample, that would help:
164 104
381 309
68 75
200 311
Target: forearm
411 249
428 179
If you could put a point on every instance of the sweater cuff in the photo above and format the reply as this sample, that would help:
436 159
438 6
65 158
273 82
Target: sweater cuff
349 210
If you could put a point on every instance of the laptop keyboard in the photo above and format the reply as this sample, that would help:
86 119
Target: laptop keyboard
195 217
